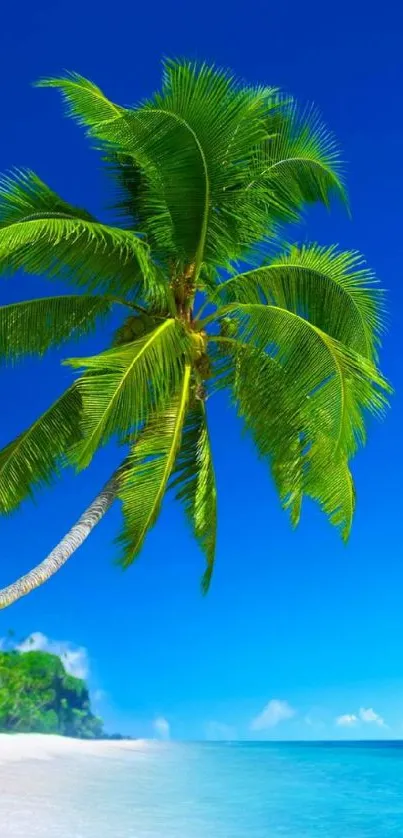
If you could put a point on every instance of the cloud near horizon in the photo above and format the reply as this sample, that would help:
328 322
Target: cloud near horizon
274 712
74 658
370 717
365 715
162 728
347 720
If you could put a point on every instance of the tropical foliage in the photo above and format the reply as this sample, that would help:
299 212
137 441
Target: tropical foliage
37 695
206 173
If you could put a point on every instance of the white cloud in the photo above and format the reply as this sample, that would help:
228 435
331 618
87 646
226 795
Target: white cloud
220 731
348 720
99 696
274 712
74 658
162 728
370 717
365 714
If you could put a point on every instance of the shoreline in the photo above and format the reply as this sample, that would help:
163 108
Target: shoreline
15 747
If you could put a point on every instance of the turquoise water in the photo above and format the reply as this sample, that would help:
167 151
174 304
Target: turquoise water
209 791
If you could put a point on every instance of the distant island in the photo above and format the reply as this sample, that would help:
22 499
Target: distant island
37 695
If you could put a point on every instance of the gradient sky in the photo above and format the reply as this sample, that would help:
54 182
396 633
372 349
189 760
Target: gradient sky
293 618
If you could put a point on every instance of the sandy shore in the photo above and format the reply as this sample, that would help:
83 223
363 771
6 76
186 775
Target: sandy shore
23 746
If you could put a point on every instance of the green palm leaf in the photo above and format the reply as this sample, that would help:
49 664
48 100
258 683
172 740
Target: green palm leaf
289 435
33 326
328 481
122 386
261 396
95 256
25 197
342 384
301 162
194 480
149 467
329 288
36 455
85 101
227 122
42 234
193 152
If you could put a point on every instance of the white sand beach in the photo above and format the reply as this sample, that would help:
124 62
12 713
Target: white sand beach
51 785
38 746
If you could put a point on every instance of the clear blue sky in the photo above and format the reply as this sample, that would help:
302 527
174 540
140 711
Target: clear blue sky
292 616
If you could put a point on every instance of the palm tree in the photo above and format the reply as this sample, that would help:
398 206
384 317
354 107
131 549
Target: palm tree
207 173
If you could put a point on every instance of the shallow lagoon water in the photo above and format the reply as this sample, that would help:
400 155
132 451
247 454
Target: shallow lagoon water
220 790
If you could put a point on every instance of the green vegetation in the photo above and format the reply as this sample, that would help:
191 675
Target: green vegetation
38 696
207 174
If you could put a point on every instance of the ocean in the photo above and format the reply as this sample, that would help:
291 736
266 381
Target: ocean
210 790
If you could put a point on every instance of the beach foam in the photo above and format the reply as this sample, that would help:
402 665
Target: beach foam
39 746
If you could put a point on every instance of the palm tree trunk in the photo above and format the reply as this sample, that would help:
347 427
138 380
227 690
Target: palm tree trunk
66 547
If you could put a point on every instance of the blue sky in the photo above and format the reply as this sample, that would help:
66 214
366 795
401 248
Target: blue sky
293 618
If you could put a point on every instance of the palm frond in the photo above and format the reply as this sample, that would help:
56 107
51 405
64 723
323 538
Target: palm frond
25 197
300 162
186 157
149 467
275 420
342 385
122 386
85 101
194 480
330 288
42 234
221 123
290 436
208 166
329 482
35 457
34 326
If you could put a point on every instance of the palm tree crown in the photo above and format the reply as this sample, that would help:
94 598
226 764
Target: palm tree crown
207 172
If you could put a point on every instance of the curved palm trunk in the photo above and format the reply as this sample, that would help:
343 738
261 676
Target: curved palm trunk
66 547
